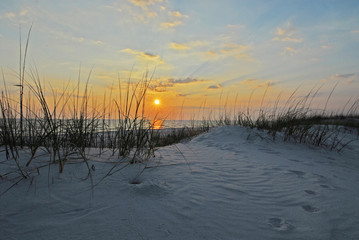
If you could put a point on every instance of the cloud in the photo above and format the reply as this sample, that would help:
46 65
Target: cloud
118 9
183 95
348 75
290 39
325 46
168 25
153 11
12 15
212 53
355 31
144 3
161 85
173 20
228 50
346 78
146 10
235 26
234 50
177 14
187 46
257 83
218 86
287 34
140 10
23 13
80 40
97 42
179 46
184 80
8 15
143 55
290 51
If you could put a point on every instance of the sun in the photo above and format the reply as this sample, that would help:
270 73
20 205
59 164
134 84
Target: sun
157 102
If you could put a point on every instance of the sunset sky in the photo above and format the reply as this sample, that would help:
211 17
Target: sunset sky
201 52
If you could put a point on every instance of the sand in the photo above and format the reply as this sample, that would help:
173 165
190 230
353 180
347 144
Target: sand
229 183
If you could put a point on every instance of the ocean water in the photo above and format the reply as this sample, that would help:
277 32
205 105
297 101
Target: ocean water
162 124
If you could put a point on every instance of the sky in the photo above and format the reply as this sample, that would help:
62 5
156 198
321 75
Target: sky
198 54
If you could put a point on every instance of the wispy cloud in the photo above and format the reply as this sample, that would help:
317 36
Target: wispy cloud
172 24
218 86
235 50
325 46
7 15
174 19
96 42
143 11
162 85
148 10
179 46
287 34
77 39
187 45
144 3
228 50
143 55
177 14
347 78
290 51
236 26
257 83
13 15
183 94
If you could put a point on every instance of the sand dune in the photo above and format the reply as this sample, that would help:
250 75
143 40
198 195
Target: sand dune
230 183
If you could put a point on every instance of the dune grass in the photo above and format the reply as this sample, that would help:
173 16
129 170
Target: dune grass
70 125
66 124
298 122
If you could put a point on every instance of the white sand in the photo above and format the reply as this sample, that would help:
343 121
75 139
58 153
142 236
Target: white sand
226 184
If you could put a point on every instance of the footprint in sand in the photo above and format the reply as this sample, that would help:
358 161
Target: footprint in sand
299 174
269 151
280 224
310 208
310 192
295 160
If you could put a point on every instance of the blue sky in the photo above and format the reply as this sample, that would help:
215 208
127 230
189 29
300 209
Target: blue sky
197 48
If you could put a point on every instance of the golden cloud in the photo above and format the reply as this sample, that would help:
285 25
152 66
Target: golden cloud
228 50
290 51
177 14
188 45
143 55
144 2
168 25
11 15
287 34
179 46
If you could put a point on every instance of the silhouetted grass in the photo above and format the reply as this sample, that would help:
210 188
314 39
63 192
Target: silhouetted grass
71 124
298 123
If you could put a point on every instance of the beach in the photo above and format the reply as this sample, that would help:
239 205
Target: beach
230 183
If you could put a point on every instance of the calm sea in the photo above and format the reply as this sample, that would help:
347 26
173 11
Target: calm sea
164 124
